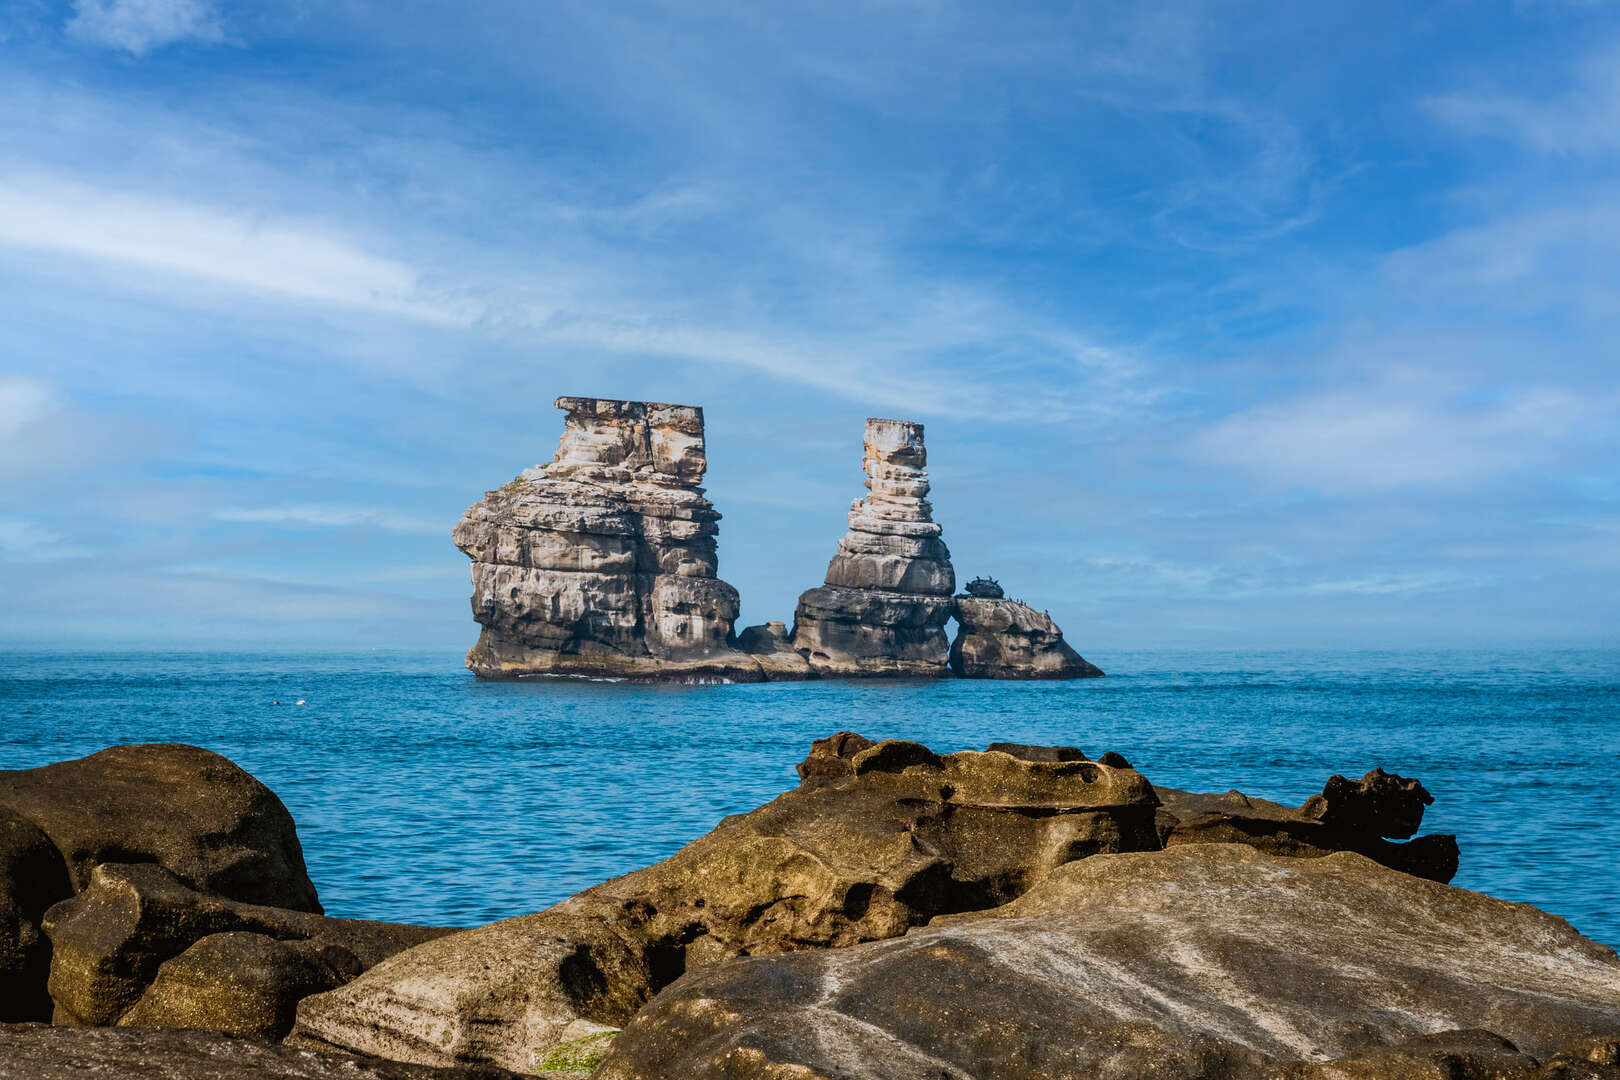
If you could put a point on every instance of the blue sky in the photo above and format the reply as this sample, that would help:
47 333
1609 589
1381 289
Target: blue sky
1233 325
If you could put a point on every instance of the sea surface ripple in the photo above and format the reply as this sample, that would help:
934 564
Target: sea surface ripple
426 795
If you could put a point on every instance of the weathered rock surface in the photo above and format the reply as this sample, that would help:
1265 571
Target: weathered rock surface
140 947
886 599
771 646
878 838
35 1052
1350 815
178 806
1005 639
603 563
1202 961
187 809
240 983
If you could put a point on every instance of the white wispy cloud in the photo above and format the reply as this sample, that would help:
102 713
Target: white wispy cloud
1564 256
139 26
1582 119
24 401
1398 434
26 540
327 516
231 247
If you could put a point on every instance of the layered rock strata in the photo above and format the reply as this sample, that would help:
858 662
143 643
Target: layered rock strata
877 839
888 589
603 562
1195 963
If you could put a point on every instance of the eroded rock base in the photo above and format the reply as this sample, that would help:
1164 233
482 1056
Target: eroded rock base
1203 962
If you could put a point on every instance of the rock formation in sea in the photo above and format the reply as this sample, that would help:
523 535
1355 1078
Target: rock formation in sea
887 596
603 562
1006 639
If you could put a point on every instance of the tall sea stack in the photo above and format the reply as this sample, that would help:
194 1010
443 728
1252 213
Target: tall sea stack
603 562
888 591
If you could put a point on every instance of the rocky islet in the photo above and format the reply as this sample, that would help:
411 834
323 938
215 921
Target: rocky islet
604 563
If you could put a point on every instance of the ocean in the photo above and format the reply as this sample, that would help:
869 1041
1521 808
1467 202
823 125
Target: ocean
423 794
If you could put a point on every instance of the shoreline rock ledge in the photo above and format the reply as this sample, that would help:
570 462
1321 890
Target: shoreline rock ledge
604 563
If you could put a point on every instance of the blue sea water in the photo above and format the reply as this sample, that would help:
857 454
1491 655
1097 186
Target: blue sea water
423 794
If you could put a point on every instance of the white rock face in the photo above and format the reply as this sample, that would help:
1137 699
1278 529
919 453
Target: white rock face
888 589
604 561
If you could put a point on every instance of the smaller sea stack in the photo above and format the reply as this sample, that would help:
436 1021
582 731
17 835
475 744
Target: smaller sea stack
888 590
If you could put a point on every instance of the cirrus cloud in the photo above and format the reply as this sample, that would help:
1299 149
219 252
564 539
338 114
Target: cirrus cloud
139 26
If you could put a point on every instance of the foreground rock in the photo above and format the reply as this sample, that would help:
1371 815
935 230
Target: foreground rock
32 878
34 1052
888 590
180 807
1203 961
187 809
140 948
877 839
1349 815
603 563
1006 639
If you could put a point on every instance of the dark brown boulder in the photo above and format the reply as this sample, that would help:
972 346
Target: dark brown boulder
139 946
1202 962
1379 804
32 878
35 1052
877 839
187 809
240 983
1349 815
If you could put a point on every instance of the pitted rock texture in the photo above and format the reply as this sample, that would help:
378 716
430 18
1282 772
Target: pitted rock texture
1006 639
888 589
138 947
1208 962
877 839
603 562
1363 816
